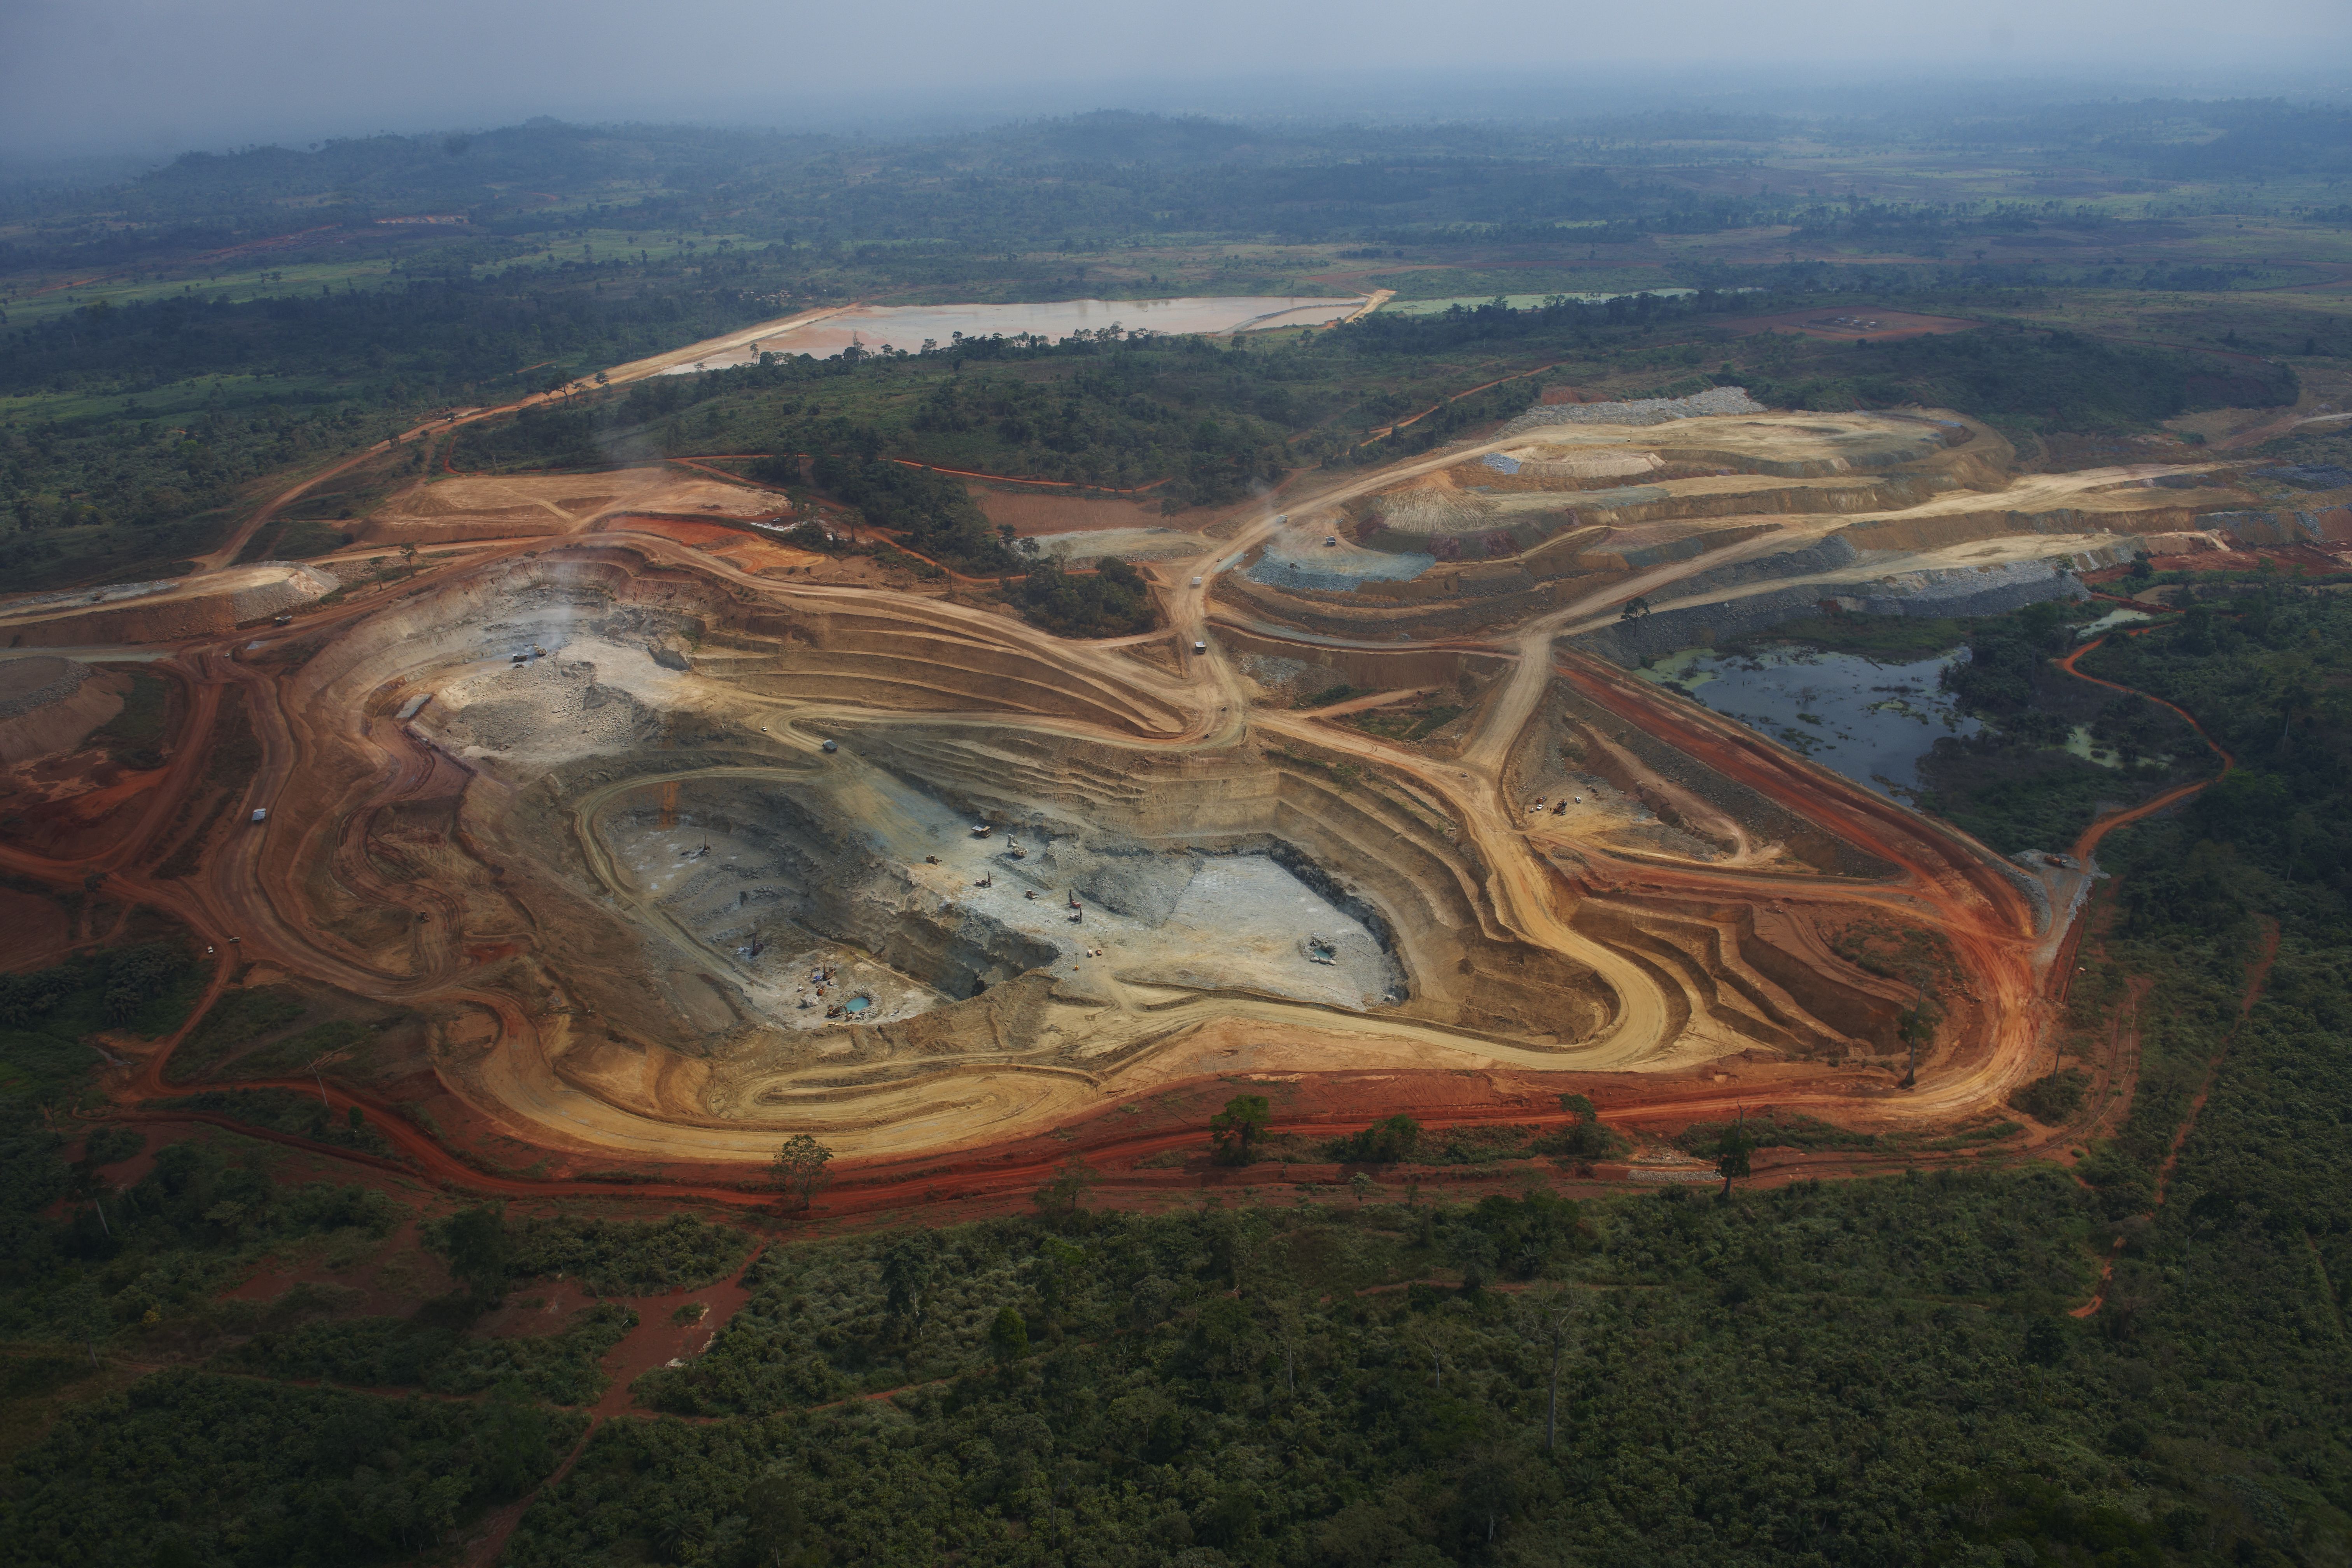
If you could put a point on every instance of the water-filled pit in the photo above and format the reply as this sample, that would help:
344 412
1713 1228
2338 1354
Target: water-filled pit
1871 721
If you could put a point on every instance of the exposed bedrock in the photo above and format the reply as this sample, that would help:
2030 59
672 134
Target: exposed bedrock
815 869
1373 848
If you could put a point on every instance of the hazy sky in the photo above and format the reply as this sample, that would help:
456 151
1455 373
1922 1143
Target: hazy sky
160 76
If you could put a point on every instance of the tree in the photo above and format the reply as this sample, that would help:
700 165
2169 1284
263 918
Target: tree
1236 1128
480 1250
1384 1142
1916 1028
1063 1195
800 1167
1008 1336
1731 1156
1635 608
907 1270
776 1517
1362 1185
1554 1314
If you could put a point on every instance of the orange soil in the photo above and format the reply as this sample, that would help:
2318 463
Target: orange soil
1037 515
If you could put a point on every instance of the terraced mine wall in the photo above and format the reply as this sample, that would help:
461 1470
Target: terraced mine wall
1717 400
1454 605
30 683
241 597
1970 591
869 654
47 706
2281 528
502 522
1486 536
1558 742
1372 669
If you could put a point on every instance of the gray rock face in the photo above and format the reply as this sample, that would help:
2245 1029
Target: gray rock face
1136 882
26 684
830 884
1715 400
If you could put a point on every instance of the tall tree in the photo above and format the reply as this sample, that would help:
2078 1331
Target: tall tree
1236 1128
800 1167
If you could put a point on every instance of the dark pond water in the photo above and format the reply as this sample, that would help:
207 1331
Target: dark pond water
1867 721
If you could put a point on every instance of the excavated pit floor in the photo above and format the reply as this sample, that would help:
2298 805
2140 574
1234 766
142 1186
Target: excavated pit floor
1190 919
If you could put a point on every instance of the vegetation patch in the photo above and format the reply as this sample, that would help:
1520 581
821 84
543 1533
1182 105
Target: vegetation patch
286 1111
1112 603
290 1474
46 1017
431 1351
239 1017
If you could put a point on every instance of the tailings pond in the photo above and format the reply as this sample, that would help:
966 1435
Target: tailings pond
1868 721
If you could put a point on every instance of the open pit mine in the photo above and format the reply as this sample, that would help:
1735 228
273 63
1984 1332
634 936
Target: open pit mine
671 843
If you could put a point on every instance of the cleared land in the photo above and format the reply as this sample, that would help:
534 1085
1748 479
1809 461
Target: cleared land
671 831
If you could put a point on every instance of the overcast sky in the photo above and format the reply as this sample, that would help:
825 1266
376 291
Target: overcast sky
157 76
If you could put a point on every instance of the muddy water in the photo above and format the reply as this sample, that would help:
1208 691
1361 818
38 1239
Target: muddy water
908 327
1868 721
